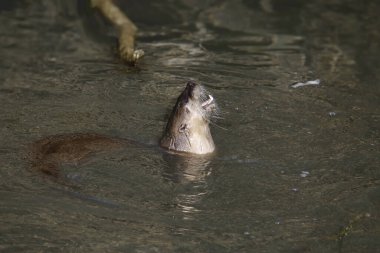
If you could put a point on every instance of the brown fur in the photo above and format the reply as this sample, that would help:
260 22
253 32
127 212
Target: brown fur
187 131
51 152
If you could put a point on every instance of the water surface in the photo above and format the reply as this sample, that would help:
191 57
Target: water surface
296 170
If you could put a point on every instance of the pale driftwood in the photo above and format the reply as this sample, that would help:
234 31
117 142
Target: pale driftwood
127 30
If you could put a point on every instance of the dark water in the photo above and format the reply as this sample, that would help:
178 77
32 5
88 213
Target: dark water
296 170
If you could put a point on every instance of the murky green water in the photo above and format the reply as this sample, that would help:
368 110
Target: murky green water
296 170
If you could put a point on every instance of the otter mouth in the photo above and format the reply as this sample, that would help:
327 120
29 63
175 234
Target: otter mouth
208 103
199 94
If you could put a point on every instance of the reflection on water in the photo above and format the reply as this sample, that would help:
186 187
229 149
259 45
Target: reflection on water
296 169
190 173
186 168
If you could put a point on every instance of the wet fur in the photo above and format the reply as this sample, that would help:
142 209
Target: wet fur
188 127
49 153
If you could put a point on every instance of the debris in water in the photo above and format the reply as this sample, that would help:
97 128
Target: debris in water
304 173
312 82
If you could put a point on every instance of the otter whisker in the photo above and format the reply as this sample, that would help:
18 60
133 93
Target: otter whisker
214 124
217 117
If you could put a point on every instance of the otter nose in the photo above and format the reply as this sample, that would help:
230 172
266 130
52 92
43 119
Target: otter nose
190 85
190 88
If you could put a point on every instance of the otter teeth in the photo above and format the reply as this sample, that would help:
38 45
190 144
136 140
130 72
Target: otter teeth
208 101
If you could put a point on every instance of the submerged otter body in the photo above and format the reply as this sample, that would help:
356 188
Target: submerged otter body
187 131
49 153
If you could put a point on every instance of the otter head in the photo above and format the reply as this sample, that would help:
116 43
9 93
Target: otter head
188 127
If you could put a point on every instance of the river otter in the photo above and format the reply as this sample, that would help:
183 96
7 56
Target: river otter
188 126
187 131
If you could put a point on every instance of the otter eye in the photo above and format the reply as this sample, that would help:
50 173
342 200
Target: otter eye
182 128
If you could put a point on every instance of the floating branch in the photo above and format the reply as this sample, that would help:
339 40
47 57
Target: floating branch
127 30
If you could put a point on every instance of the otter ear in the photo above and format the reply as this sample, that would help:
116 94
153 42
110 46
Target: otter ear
182 128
